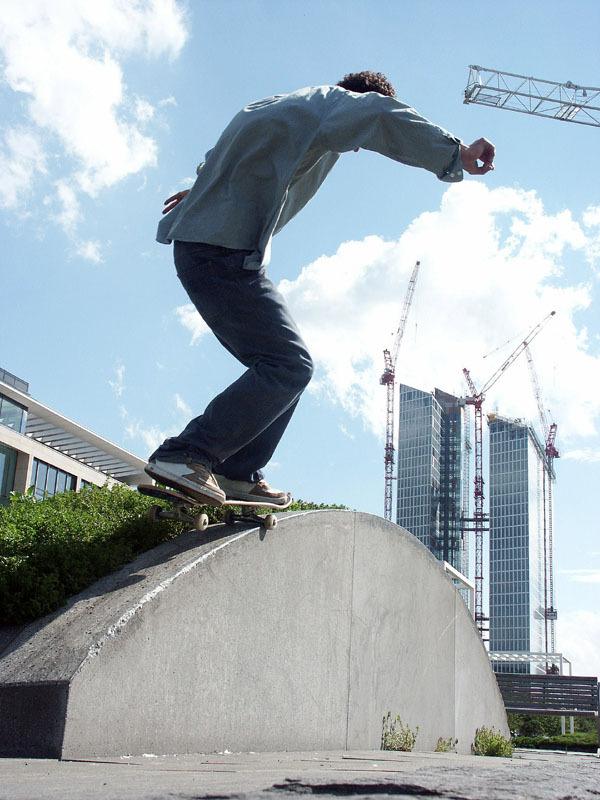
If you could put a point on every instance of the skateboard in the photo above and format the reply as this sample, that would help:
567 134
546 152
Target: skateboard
183 509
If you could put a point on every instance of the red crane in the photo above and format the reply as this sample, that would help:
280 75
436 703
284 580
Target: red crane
388 379
549 432
479 518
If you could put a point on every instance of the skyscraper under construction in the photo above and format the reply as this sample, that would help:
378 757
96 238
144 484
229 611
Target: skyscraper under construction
429 458
519 559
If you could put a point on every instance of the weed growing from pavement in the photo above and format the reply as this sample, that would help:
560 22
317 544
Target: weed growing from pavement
490 743
396 735
446 745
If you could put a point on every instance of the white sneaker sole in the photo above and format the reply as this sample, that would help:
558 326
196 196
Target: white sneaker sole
203 494
258 499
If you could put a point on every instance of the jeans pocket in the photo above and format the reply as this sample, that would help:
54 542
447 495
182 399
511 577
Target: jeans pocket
214 277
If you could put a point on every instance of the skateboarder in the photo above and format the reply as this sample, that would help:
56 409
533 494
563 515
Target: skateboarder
265 167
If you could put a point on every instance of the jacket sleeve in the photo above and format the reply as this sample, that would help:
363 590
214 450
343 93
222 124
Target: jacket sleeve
387 126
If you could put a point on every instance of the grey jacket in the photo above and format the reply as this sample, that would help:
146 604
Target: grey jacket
276 152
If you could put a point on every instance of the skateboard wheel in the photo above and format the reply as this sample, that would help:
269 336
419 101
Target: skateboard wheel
153 513
270 522
201 522
229 516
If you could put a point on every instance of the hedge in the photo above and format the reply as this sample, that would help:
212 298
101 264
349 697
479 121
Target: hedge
576 742
54 548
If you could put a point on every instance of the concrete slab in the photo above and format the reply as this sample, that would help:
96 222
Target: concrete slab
299 638
275 776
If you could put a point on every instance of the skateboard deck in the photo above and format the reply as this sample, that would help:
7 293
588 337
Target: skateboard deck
183 509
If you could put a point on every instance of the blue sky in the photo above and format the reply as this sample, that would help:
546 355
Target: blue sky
108 108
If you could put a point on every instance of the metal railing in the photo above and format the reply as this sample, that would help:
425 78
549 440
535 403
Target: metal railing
11 380
562 695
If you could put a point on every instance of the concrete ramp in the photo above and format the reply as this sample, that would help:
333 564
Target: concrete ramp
302 638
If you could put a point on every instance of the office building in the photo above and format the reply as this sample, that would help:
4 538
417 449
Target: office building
429 457
40 447
518 472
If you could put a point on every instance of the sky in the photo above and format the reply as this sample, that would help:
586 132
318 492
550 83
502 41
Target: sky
109 107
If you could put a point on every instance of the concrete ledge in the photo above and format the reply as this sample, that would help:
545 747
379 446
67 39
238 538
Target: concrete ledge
298 639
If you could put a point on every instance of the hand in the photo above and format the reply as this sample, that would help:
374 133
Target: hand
480 150
175 200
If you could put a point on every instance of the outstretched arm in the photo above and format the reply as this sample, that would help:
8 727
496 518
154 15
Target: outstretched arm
480 150
173 201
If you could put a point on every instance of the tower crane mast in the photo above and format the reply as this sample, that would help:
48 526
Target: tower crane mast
388 380
549 432
479 518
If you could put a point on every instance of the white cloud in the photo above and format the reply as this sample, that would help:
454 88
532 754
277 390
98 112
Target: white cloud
150 434
22 157
591 216
591 220
191 319
70 215
90 250
491 269
65 61
578 638
118 385
143 110
182 406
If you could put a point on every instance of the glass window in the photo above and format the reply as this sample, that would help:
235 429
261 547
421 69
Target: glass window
40 481
12 415
51 481
48 481
61 481
8 462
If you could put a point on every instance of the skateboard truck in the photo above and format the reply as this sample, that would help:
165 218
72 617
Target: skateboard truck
182 509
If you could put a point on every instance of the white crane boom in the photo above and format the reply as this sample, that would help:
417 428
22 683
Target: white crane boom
565 101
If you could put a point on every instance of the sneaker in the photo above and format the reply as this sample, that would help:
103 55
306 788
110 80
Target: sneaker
195 480
244 490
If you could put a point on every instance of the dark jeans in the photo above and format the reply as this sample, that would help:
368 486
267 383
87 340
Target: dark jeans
241 427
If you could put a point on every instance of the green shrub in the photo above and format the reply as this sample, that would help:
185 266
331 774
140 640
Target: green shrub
533 725
54 548
397 736
545 725
586 742
489 743
446 745
51 549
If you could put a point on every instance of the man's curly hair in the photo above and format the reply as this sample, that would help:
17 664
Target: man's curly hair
367 82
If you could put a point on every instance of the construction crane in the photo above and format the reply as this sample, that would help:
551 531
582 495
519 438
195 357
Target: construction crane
549 432
479 518
388 379
466 483
565 101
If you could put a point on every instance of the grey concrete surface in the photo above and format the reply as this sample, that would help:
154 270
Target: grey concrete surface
300 638
276 776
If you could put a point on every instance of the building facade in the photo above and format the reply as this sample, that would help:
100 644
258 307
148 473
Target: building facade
518 472
429 484
41 448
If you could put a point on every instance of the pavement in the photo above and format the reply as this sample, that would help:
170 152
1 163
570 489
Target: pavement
279 776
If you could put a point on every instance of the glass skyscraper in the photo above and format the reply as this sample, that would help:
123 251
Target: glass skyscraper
517 463
429 457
